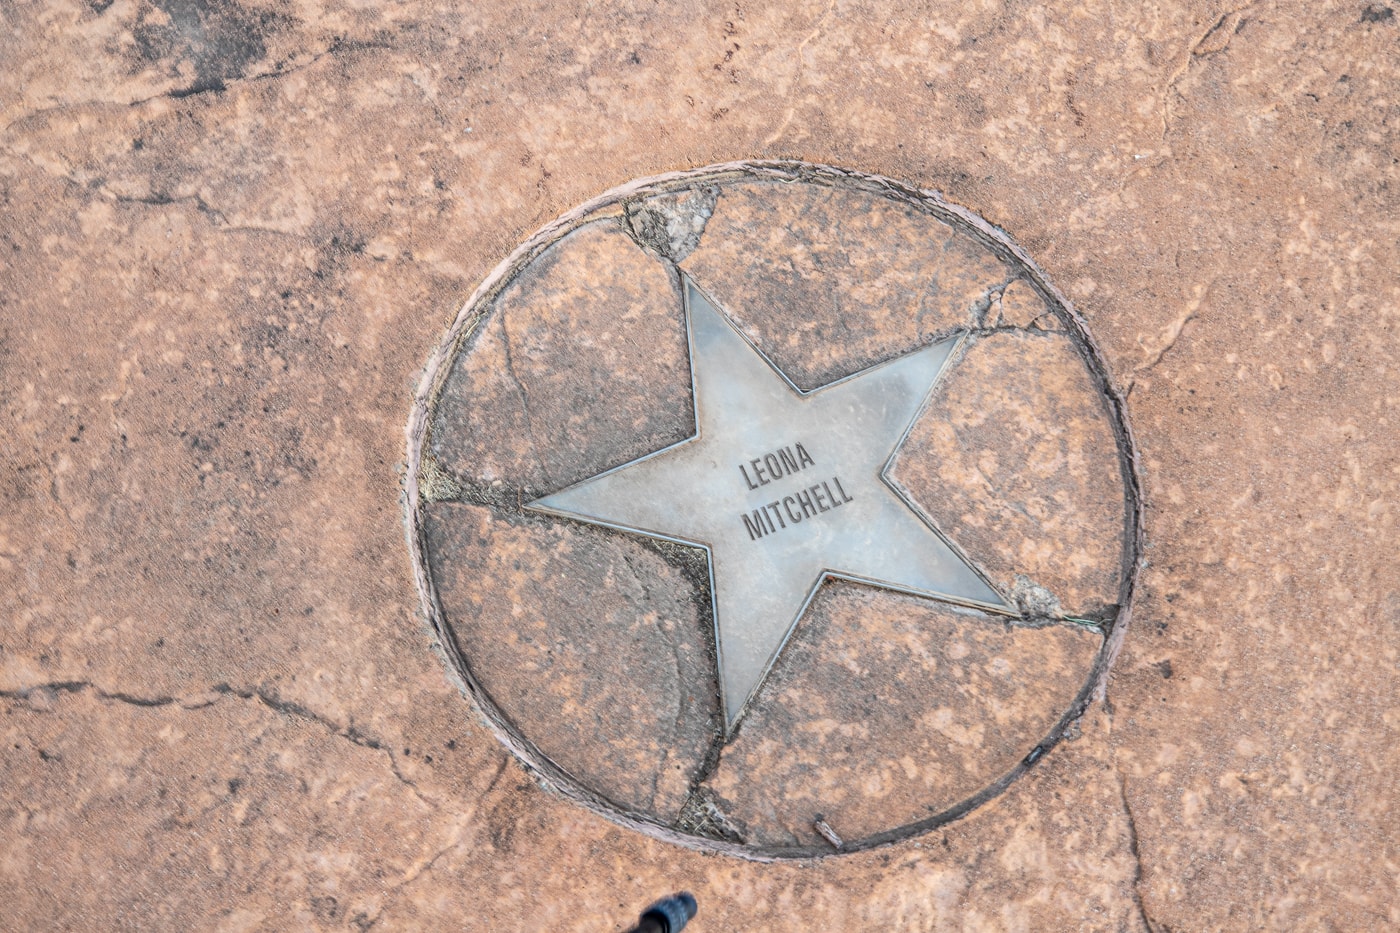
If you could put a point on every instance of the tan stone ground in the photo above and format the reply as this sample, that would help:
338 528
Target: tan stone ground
231 234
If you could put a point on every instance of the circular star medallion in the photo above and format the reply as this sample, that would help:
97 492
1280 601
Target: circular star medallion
773 508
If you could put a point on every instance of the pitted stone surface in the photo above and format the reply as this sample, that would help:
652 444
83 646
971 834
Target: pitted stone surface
886 710
593 646
828 280
1015 454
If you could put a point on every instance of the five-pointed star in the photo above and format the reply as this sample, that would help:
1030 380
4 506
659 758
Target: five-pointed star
783 488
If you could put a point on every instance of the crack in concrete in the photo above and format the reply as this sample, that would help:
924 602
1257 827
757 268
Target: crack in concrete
1207 44
336 47
982 304
496 778
78 686
1136 854
797 76
348 731
1172 333
678 719
1217 38
161 199
211 696
218 219
535 446
422 868
425 866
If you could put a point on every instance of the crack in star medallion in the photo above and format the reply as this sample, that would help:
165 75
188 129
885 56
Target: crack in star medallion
773 509
821 457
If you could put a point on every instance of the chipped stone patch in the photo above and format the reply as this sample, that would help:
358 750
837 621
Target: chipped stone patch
1034 600
672 224
1018 305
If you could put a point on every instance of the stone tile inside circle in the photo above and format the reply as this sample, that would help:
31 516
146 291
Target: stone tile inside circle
1014 459
580 365
590 643
828 281
887 709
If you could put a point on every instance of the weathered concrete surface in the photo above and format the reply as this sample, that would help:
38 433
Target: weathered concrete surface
592 646
224 262
828 281
1015 459
884 710
560 384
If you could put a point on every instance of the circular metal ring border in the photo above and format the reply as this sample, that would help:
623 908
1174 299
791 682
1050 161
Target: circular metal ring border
439 364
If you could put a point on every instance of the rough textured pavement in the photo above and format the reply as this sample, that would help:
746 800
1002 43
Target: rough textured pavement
232 232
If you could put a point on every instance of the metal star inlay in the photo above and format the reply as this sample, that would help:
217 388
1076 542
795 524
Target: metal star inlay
783 489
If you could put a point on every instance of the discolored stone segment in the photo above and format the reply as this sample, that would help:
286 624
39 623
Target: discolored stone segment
885 709
1015 460
580 365
591 644
827 281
